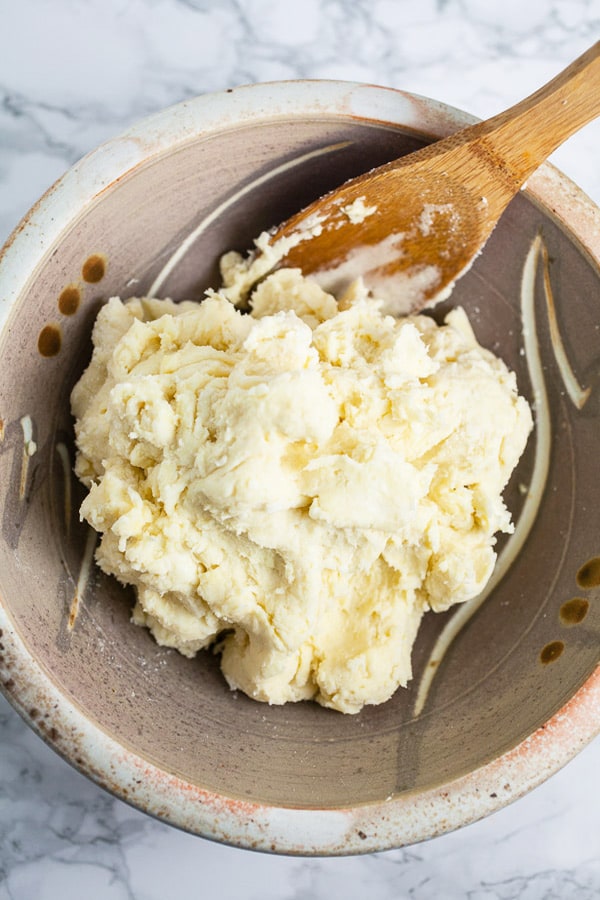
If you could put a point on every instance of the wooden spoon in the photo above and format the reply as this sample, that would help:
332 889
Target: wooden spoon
413 226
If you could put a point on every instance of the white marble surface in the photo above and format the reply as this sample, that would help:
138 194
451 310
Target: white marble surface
74 72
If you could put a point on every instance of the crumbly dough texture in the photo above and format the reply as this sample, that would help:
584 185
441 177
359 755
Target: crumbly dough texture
300 484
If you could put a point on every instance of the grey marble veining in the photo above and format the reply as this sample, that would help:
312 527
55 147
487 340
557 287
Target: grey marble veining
73 73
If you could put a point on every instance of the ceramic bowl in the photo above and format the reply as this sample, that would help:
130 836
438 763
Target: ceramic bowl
502 695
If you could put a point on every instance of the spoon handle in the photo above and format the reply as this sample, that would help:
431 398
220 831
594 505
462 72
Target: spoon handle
522 137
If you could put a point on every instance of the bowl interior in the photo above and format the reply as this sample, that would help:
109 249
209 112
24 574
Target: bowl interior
515 663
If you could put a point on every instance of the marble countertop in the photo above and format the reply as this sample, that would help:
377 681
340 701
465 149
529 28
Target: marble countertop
75 72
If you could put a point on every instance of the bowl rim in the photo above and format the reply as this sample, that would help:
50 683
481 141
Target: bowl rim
399 820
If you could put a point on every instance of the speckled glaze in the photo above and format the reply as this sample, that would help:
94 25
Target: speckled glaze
518 692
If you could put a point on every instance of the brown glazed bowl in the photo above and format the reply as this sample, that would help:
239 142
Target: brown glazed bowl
502 696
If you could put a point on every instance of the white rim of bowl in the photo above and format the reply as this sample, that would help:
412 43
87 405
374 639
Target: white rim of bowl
400 820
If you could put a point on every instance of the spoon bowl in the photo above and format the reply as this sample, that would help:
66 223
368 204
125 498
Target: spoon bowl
413 226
